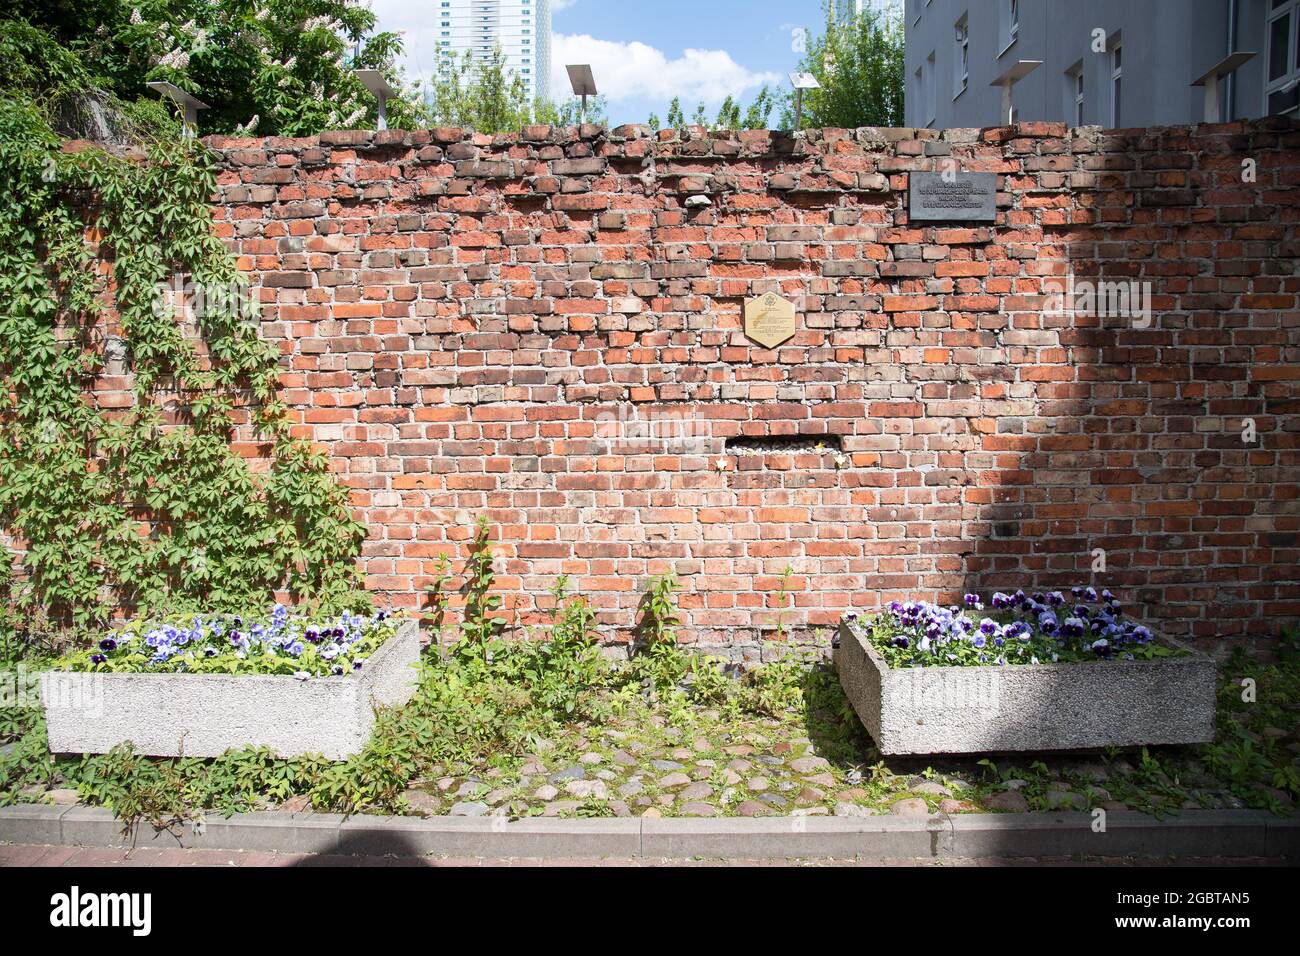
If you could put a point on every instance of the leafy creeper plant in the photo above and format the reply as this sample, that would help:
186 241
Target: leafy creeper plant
149 507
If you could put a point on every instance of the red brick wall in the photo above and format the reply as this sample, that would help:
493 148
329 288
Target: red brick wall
473 325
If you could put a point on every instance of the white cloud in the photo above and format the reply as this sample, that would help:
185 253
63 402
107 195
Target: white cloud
639 70
622 70
419 33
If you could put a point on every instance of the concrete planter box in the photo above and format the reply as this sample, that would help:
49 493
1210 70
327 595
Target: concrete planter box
934 710
204 715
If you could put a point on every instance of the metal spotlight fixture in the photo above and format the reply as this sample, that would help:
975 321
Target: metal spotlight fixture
583 83
188 105
374 81
801 82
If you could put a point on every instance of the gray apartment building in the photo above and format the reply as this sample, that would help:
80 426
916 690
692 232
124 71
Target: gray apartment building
1100 62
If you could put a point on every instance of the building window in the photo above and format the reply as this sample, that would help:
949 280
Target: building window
961 57
931 91
1116 83
1009 23
1074 94
1282 83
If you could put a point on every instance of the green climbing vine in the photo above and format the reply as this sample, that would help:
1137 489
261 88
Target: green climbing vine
151 505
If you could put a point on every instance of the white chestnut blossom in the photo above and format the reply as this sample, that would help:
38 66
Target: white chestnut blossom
177 59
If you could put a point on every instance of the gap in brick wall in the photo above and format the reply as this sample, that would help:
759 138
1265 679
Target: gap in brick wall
768 444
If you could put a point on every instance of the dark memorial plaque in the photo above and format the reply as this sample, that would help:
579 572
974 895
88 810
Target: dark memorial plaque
959 196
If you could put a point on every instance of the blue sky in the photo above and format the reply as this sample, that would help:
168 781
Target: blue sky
644 52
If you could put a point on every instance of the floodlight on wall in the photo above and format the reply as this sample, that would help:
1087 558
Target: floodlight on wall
801 82
583 83
1013 74
374 81
188 105
1210 80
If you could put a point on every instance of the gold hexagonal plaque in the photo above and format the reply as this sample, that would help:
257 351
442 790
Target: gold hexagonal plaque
769 319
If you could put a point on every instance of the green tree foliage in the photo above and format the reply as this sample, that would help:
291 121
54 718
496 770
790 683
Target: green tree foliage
759 113
675 119
271 67
859 64
489 97
730 114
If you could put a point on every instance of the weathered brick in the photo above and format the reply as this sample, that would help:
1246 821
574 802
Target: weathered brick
549 339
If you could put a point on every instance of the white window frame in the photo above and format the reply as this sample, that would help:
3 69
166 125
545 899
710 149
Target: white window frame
961 56
1074 94
1116 58
1290 9
1009 24
931 90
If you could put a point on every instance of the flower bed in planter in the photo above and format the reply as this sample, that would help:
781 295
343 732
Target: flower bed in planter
200 685
1040 672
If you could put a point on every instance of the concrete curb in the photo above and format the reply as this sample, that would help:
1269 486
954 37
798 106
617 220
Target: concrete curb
1193 833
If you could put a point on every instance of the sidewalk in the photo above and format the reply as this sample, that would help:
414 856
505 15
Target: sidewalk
1236 834
57 856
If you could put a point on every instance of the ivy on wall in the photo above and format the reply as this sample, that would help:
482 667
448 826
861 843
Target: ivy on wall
148 506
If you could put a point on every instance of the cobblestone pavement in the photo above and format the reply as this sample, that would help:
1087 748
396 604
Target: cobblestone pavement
725 765
33 855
